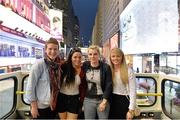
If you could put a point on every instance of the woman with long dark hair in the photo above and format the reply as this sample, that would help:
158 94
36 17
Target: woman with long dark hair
73 86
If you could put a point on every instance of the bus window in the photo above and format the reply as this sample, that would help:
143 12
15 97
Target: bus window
6 96
171 98
25 80
145 85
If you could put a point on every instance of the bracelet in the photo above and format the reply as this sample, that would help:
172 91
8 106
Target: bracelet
104 103
131 111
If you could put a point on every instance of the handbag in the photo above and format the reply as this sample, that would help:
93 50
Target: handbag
137 110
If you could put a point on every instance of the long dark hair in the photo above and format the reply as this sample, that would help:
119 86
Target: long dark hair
70 71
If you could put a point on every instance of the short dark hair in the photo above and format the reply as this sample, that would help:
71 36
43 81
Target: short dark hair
56 19
51 41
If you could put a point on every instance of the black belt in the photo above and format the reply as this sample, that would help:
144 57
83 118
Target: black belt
98 97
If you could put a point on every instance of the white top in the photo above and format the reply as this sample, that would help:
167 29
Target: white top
73 89
120 89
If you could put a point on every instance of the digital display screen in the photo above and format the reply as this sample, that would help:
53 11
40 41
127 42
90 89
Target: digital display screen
149 26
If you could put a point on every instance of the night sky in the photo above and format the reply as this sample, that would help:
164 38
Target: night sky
86 12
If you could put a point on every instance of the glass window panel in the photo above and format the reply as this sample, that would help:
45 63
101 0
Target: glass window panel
6 96
24 88
172 98
145 85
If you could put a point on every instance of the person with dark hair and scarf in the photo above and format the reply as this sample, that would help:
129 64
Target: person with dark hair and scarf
44 83
73 85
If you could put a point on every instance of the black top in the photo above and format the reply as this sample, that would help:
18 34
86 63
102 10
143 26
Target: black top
105 77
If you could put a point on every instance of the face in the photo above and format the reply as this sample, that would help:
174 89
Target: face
52 51
116 58
76 59
57 24
93 55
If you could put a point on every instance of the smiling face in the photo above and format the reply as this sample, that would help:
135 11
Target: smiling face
93 55
116 57
76 59
52 50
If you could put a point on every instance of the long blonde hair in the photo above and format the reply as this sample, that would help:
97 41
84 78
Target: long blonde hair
123 65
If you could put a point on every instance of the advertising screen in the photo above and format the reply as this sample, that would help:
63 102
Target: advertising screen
56 23
106 47
149 26
114 41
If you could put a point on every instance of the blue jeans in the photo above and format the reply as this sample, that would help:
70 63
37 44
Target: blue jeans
91 109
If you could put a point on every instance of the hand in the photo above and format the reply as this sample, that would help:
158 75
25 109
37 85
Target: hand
129 115
102 105
34 110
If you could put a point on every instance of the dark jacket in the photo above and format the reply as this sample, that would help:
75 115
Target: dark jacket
105 77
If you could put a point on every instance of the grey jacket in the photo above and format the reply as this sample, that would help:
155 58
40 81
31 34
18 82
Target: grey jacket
38 85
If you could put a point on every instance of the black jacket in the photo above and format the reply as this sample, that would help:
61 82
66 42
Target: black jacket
105 77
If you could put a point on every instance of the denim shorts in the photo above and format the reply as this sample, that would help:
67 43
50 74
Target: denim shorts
68 103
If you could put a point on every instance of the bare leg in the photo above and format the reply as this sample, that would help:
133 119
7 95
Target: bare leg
72 116
63 115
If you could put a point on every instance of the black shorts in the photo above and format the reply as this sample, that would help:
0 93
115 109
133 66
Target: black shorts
68 103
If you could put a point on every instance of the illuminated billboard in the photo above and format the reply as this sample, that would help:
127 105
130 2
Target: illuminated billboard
149 26
106 49
114 41
24 16
56 23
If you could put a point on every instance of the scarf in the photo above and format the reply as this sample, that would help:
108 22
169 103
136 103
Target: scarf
54 74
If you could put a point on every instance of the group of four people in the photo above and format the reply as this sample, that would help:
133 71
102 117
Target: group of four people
104 90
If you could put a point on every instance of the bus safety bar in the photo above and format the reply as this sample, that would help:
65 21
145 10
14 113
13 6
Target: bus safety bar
138 94
21 92
149 94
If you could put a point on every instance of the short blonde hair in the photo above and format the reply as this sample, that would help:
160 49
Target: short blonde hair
94 47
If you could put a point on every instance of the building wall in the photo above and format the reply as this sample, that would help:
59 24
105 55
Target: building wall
107 19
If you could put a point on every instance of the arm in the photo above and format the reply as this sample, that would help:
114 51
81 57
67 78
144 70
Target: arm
132 89
83 85
132 94
107 81
30 96
31 84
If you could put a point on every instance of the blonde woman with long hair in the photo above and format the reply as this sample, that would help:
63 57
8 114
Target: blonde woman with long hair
124 87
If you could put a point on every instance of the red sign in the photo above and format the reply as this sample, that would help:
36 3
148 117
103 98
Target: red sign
25 9
9 30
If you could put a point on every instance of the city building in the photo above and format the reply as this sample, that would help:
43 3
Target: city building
139 31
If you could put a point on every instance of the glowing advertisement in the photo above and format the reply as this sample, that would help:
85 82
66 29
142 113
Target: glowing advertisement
149 26
106 47
24 16
29 10
56 23
114 41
